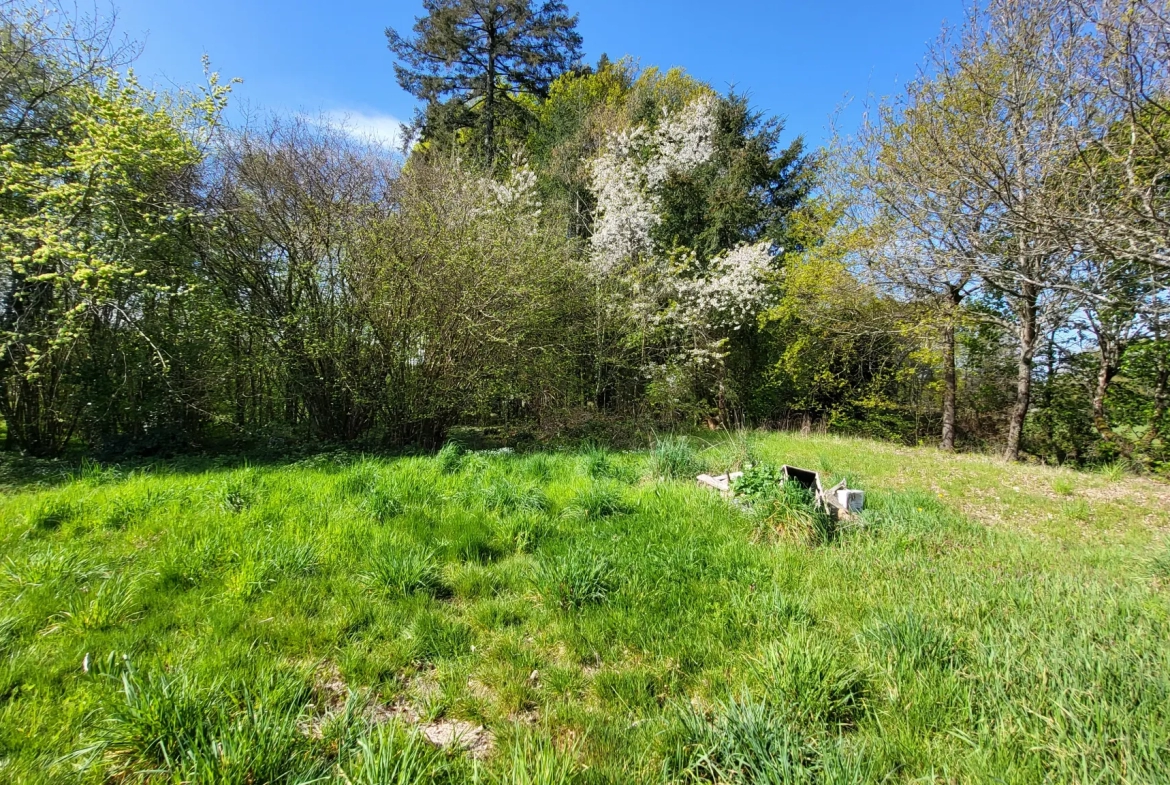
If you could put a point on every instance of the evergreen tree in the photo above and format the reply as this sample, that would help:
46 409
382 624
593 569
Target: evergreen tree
484 54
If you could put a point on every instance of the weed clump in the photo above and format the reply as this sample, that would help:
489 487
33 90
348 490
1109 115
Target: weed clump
784 506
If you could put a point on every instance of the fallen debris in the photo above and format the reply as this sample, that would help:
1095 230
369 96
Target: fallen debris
721 483
840 502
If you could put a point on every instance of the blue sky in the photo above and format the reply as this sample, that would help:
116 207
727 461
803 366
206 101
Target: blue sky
796 58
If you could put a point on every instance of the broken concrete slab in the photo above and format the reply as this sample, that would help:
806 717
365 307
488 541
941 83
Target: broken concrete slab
721 483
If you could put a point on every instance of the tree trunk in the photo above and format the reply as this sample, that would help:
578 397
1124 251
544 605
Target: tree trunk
950 385
1023 375
489 103
950 377
1110 359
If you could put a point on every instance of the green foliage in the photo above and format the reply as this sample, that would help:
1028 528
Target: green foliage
759 482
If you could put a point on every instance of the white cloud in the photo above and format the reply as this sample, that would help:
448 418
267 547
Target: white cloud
381 128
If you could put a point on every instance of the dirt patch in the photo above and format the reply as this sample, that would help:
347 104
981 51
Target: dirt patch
333 694
476 740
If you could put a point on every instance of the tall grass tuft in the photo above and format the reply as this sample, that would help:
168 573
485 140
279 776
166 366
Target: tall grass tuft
746 741
673 457
533 760
391 755
383 503
596 501
578 579
1160 564
815 682
915 644
505 495
169 727
450 457
406 570
110 603
50 514
791 511
433 636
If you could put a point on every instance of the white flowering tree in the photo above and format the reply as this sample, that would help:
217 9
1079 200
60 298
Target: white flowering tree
686 307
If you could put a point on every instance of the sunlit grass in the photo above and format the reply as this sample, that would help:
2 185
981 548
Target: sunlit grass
601 616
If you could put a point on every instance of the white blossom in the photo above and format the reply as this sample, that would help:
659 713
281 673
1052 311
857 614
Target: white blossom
730 292
518 191
694 304
627 213
635 163
684 140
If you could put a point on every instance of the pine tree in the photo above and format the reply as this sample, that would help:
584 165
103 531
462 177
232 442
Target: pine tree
485 53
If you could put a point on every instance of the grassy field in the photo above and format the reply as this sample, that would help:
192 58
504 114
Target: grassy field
585 616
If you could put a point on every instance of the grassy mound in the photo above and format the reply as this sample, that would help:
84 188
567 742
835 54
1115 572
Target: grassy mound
586 616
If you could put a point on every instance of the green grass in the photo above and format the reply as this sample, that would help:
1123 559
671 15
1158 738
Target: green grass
605 619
